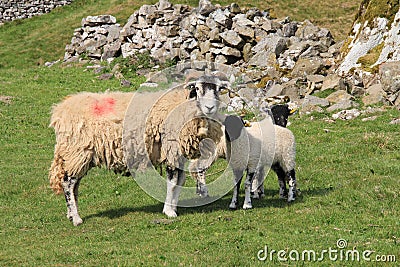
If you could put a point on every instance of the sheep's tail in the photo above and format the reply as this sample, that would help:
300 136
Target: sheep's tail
56 174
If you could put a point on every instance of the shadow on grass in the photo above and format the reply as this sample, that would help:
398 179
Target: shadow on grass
271 199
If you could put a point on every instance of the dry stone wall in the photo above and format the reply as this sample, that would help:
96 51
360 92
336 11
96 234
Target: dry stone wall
278 56
20 9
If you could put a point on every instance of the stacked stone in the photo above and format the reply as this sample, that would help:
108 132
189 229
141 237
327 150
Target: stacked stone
220 34
17 9
277 57
98 38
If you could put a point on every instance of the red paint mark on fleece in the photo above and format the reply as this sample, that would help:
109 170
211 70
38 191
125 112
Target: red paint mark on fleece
103 107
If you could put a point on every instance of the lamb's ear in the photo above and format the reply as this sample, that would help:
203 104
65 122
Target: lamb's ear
233 127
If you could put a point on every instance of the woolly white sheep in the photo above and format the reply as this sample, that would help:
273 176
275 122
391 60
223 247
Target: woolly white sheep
253 148
89 132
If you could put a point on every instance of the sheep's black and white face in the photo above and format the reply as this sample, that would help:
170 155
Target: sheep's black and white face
206 90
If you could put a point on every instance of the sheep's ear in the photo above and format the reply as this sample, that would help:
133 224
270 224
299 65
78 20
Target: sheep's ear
193 93
233 127
192 88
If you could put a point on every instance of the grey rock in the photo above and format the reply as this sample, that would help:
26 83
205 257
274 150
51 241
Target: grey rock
342 105
331 81
306 66
270 25
234 8
347 114
308 31
263 59
390 76
111 50
274 43
205 7
98 20
375 94
315 101
214 35
202 33
339 96
205 46
395 121
113 33
105 76
222 18
289 29
244 31
274 90
229 51
315 78
247 54
125 83
221 59
163 5
231 37
241 19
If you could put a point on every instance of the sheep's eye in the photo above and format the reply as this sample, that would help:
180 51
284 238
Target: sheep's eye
200 90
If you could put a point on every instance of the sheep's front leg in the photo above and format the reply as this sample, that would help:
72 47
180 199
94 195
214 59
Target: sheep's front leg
177 190
247 190
291 175
70 186
237 180
201 187
175 179
257 187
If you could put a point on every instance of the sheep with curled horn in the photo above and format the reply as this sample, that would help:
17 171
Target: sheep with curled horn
89 133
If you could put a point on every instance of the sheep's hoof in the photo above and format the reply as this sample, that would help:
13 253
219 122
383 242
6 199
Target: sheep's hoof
247 206
254 196
204 195
170 212
77 221
233 206
283 196
291 199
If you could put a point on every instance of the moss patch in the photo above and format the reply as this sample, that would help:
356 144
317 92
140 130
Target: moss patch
370 58
370 9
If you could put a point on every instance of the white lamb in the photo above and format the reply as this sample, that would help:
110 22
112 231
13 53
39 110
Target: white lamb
254 148
89 132
280 114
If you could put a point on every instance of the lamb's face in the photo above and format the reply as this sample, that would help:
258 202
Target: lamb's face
206 90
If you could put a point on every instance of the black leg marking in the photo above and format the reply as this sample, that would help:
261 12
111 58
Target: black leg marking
283 192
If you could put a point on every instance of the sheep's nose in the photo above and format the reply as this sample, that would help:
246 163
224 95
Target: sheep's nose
209 108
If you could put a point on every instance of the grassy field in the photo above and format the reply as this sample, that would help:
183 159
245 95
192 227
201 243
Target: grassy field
348 174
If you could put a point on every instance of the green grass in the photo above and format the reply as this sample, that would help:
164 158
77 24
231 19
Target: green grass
348 174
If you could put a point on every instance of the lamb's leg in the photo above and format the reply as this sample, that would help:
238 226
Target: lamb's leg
172 187
238 179
247 189
201 187
291 175
70 187
257 187
283 193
